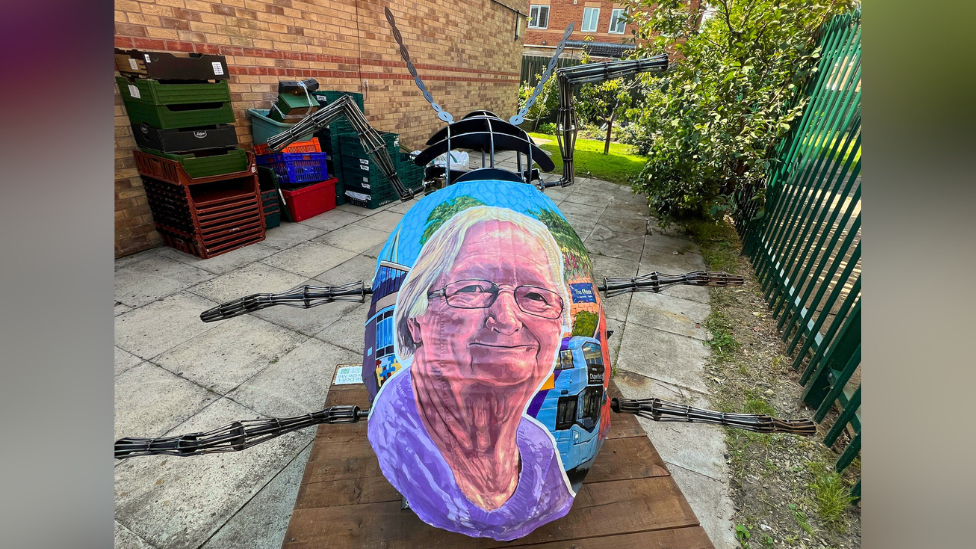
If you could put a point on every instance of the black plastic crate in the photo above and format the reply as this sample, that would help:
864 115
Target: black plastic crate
171 66
180 141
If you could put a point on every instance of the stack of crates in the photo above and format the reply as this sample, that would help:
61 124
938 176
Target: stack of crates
201 187
268 183
301 173
363 182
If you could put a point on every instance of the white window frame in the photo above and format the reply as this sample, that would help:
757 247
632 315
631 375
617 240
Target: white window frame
614 15
596 20
532 20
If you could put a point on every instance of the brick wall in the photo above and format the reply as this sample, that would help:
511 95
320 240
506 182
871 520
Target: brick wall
562 12
468 58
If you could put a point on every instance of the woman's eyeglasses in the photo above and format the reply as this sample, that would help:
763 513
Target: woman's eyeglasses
481 294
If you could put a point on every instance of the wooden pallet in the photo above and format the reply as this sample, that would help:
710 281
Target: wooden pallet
628 499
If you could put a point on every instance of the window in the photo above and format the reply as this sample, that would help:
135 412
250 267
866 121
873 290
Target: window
617 22
590 18
539 17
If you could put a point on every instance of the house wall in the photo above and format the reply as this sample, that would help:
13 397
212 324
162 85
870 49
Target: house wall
468 58
562 12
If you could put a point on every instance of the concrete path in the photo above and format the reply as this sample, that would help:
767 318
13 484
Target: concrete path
175 374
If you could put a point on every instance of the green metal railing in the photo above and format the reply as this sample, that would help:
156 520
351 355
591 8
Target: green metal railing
532 67
806 246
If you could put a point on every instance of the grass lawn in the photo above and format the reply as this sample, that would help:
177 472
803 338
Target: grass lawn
619 166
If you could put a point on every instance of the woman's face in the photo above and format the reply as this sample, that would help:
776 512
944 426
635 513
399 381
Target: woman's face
490 359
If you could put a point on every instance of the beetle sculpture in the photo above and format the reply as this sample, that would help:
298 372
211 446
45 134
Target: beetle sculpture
486 355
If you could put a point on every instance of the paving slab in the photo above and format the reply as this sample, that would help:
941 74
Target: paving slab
297 383
231 353
154 278
150 401
404 207
664 356
287 234
365 212
309 258
124 360
604 266
252 279
571 208
162 325
124 262
179 503
348 332
382 221
360 267
225 262
125 539
619 244
709 499
355 238
307 322
332 220
262 522
671 314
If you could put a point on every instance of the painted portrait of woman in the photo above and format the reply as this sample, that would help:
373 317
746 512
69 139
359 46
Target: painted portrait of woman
478 323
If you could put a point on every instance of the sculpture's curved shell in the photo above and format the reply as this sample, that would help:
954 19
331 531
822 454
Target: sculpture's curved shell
486 359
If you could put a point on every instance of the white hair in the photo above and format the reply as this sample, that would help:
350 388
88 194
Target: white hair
439 254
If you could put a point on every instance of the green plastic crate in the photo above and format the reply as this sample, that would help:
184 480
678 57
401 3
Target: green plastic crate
262 127
350 145
153 92
165 118
370 199
234 160
288 104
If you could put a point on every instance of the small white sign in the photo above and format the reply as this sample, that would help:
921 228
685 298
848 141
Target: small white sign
364 167
133 64
218 70
134 92
348 375
147 58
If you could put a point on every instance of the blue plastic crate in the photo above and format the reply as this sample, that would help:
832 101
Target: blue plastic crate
296 168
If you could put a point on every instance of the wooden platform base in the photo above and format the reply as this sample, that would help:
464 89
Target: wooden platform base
628 500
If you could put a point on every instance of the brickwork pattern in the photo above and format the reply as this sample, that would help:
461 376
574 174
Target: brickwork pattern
469 59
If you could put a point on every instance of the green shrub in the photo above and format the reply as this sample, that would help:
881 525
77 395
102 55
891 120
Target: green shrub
710 125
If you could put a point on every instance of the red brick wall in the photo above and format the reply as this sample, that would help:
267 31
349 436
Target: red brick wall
468 58
562 12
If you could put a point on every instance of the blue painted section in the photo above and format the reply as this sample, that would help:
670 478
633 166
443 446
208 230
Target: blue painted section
579 381
517 197
582 292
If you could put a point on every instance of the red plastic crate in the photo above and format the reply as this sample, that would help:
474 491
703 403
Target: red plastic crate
172 171
310 201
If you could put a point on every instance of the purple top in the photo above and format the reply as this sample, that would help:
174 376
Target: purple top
414 466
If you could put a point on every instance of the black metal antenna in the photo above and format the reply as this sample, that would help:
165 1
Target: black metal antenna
441 113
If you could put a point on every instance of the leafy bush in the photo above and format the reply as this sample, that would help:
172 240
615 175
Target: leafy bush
711 124
546 103
547 128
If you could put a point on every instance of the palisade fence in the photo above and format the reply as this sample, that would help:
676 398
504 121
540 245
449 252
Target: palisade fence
806 246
